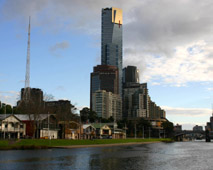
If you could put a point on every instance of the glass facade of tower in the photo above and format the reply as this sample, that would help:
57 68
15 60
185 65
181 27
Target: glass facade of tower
111 40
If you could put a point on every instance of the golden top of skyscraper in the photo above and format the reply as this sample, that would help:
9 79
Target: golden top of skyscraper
117 16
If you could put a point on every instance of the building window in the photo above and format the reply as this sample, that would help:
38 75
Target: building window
16 125
21 126
6 125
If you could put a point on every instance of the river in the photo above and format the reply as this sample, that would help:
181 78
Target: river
156 156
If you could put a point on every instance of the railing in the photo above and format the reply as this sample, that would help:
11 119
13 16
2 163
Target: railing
12 129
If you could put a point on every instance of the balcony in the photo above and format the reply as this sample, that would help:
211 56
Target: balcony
12 129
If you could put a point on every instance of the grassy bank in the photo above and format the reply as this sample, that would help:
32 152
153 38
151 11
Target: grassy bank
45 143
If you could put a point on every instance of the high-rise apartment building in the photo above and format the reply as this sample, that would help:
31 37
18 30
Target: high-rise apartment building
107 104
135 101
155 112
111 40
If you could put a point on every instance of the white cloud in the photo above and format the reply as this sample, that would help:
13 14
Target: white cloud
187 117
187 112
185 66
210 88
60 88
155 83
56 49
61 45
9 97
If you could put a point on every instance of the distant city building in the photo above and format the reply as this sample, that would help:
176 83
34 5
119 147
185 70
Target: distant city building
198 128
130 75
33 103
209 125
36 104
107 104
107 80
35 96
135 100
60 107
178 127
111 40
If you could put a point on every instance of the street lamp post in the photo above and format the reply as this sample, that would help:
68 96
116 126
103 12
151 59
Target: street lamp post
149 132
143 132
135 131
5 123
80 127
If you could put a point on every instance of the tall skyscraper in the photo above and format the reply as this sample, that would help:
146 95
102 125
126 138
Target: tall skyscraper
111 40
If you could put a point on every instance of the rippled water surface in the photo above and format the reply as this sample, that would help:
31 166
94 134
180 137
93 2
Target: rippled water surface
158 156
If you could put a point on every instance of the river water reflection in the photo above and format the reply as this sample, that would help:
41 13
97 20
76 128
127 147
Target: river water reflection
174 156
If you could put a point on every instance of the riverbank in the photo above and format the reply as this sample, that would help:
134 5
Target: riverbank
65 143
105 145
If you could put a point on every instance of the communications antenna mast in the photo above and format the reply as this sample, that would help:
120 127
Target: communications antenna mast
212 109
27 76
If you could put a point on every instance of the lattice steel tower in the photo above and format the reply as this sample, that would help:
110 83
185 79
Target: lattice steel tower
27 76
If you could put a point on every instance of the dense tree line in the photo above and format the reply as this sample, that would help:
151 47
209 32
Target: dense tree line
6 108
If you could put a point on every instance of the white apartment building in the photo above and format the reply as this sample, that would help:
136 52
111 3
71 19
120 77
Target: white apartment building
107 104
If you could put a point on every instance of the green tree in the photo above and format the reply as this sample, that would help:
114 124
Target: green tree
84 113
143 125
169 128
111 119
93 116
6 108
122 123
87 114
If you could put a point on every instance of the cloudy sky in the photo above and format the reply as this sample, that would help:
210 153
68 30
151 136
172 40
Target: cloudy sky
171 42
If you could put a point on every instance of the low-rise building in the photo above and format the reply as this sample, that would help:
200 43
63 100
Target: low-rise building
11 127
102 130
89 131
40 125
70 130
28 126
109 130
